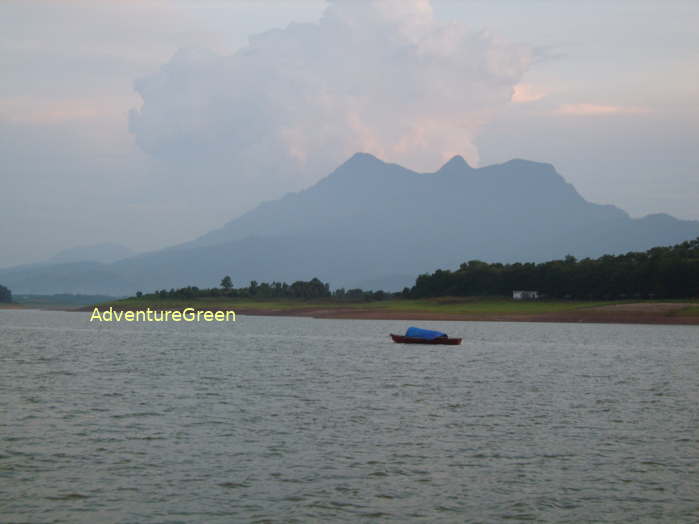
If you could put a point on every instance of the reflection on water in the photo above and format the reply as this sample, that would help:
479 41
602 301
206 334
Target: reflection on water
292 419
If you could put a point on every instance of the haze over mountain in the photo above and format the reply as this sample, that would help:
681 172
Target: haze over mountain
378 225
98 253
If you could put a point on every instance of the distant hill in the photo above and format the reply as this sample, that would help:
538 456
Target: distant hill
98 253
84 278
61 300
379 223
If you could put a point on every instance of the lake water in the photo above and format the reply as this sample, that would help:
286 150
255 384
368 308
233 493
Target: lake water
303 420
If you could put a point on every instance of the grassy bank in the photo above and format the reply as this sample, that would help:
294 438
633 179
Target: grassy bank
447 305
10 305
442 308
689 311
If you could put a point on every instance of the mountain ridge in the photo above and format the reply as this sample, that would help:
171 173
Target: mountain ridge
368 220
106 252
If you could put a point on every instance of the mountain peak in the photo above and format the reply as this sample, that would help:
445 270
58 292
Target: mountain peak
363 166
522 163
359 163
363 158
457 164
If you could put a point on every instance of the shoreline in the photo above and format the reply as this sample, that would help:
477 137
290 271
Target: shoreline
11 305
564 317
635 313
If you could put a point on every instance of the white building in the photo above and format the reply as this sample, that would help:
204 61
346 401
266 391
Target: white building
525 295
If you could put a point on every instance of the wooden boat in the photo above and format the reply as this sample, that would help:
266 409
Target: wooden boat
400 339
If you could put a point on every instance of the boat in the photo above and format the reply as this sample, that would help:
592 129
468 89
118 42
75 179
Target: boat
401 339
425 336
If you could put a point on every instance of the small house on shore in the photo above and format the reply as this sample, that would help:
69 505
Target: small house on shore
525 295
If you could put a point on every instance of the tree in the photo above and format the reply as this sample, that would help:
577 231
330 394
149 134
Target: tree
227 283
5 294
660 272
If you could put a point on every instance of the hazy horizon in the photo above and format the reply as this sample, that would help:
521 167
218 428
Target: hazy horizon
148 124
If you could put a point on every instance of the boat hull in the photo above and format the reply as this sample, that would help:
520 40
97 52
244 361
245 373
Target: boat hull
400 339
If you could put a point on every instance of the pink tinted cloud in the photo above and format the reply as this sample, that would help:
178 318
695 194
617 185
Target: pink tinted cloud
523 93
599 110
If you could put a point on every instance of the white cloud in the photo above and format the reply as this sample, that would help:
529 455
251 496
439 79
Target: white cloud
523 93
598 110
380 76
49 111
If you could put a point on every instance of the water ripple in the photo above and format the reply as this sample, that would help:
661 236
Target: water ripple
299 420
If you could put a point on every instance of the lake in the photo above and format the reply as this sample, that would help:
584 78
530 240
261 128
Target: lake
273 419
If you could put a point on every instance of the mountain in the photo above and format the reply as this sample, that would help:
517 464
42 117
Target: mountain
371 222
83 278
97 253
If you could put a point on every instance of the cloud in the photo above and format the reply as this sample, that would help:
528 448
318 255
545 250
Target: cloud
380 76
48 111
523 93
598 110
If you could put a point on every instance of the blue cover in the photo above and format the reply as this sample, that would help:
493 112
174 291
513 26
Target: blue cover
427 334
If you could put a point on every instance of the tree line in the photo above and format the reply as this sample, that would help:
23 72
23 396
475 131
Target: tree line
660 272
311 289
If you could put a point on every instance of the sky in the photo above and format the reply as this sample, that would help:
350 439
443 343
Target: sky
150 122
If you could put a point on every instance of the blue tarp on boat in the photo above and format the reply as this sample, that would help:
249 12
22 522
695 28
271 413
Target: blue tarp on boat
427 334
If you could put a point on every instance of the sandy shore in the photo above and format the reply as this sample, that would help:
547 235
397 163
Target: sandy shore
664 313
636 313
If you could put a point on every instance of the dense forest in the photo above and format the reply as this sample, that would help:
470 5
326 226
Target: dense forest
5 294
660 272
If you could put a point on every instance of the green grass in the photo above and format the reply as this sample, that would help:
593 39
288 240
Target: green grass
503 305
210 302
487 306
444 305
690 311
